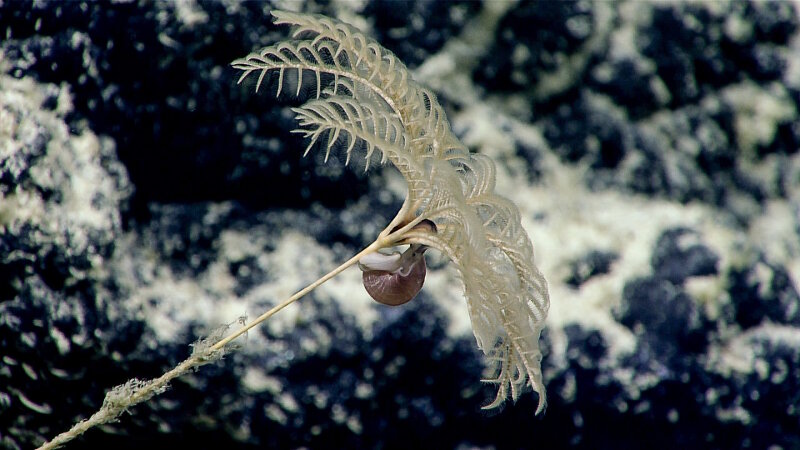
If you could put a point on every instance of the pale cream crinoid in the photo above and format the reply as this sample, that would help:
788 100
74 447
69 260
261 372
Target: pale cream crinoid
365 98
364 94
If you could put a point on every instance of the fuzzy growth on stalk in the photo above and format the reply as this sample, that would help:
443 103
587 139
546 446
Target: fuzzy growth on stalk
364 98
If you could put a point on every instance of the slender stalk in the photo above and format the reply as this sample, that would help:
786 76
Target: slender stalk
116 403
300 294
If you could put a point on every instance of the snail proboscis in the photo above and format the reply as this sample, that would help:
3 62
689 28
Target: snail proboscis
396 278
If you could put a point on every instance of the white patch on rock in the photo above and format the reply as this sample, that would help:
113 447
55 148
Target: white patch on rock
759 110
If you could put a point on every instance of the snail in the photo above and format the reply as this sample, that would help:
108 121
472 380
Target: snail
396 278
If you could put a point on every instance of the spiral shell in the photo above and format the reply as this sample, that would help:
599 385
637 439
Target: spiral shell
394 279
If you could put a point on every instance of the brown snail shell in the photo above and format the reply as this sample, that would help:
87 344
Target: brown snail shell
397 278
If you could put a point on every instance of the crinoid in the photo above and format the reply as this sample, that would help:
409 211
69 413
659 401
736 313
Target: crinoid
366 101
364 93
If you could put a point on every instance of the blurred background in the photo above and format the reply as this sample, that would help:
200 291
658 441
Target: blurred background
146 199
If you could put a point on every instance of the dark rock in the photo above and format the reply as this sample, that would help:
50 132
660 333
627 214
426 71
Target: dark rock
664 317
680 254
533 39
586 130
594 263
418 29
763 291
162 96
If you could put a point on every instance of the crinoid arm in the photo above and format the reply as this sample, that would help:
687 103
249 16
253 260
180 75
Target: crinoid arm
363 93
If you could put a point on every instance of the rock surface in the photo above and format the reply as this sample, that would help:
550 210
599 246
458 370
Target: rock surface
145 199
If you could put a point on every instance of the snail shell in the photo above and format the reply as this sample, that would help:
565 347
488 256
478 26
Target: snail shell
396 278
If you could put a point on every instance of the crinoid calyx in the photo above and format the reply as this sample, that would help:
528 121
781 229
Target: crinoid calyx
362 94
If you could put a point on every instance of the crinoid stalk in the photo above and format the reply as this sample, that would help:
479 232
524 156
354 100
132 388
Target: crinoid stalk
364 95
